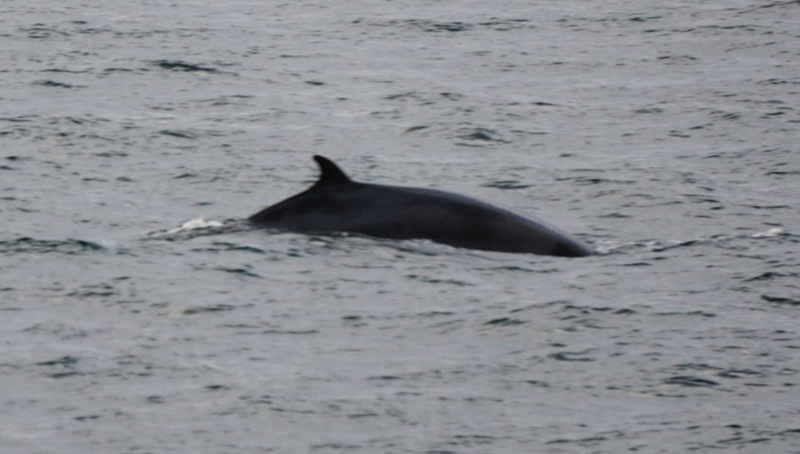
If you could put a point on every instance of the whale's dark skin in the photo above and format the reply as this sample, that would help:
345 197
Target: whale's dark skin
335 203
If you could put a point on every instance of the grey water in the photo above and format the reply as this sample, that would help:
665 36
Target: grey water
134 135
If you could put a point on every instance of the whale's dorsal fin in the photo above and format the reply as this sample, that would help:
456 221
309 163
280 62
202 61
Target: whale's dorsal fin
331 174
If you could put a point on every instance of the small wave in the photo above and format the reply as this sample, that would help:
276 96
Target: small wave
657 245
36 246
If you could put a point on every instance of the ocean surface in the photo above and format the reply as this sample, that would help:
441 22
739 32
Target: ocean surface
140 317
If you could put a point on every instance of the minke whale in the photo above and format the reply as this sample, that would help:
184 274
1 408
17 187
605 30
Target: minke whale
337 204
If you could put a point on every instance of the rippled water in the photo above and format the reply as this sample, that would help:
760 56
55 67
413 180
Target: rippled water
665 135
